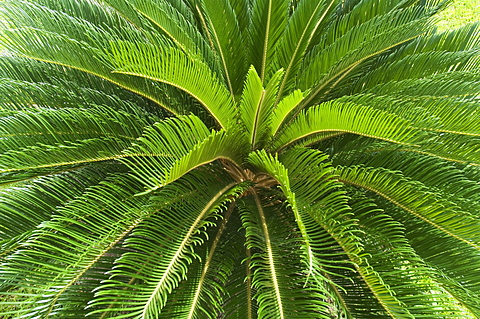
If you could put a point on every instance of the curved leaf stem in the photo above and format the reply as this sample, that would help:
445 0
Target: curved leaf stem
268 245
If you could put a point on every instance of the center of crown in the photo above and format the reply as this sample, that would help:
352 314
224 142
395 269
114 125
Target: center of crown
262 180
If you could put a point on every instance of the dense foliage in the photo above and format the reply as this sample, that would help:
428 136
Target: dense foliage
238 159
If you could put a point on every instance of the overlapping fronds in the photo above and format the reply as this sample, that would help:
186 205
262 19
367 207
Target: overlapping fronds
238 159
307 18
173 67
64 137
349 48
269 20
279 291
78 235
226 35
173 147
405 273
207 282
257 106
453 263
416 199
158 261
85 41
25 206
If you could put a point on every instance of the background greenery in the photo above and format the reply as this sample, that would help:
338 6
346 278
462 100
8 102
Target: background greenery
460 13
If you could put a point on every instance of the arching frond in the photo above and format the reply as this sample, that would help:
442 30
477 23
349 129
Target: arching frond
399 266
416 199
227 37
25 206
157 260
275 169
173 147
454 264
448 181
307 17
90 235
347 118
82 39
279 288
202 294
354 46
172 67
455 50
283 109
175 25
64 137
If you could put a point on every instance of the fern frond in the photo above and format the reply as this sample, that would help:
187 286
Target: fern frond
415 198
406 274
257 105
442 253
152 240
75 236
347 118
24 207
357 45
227 37
278 287
302 25
172 67
269 20
173 147
284 108
175 25
85 42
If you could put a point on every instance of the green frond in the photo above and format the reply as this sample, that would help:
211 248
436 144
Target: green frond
257 105
406 274
227 37
268 23
284 108
279 289
202 294
323 202
173 147
453 147
454 264
353 47
427 55
458 84
307 17
447 180
25 206
416 199
240 159
158 261
30 83
274 168
125 9
172 67
239 302
446 115
64 137
416 65
175 26
347 118
78 235
78 43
